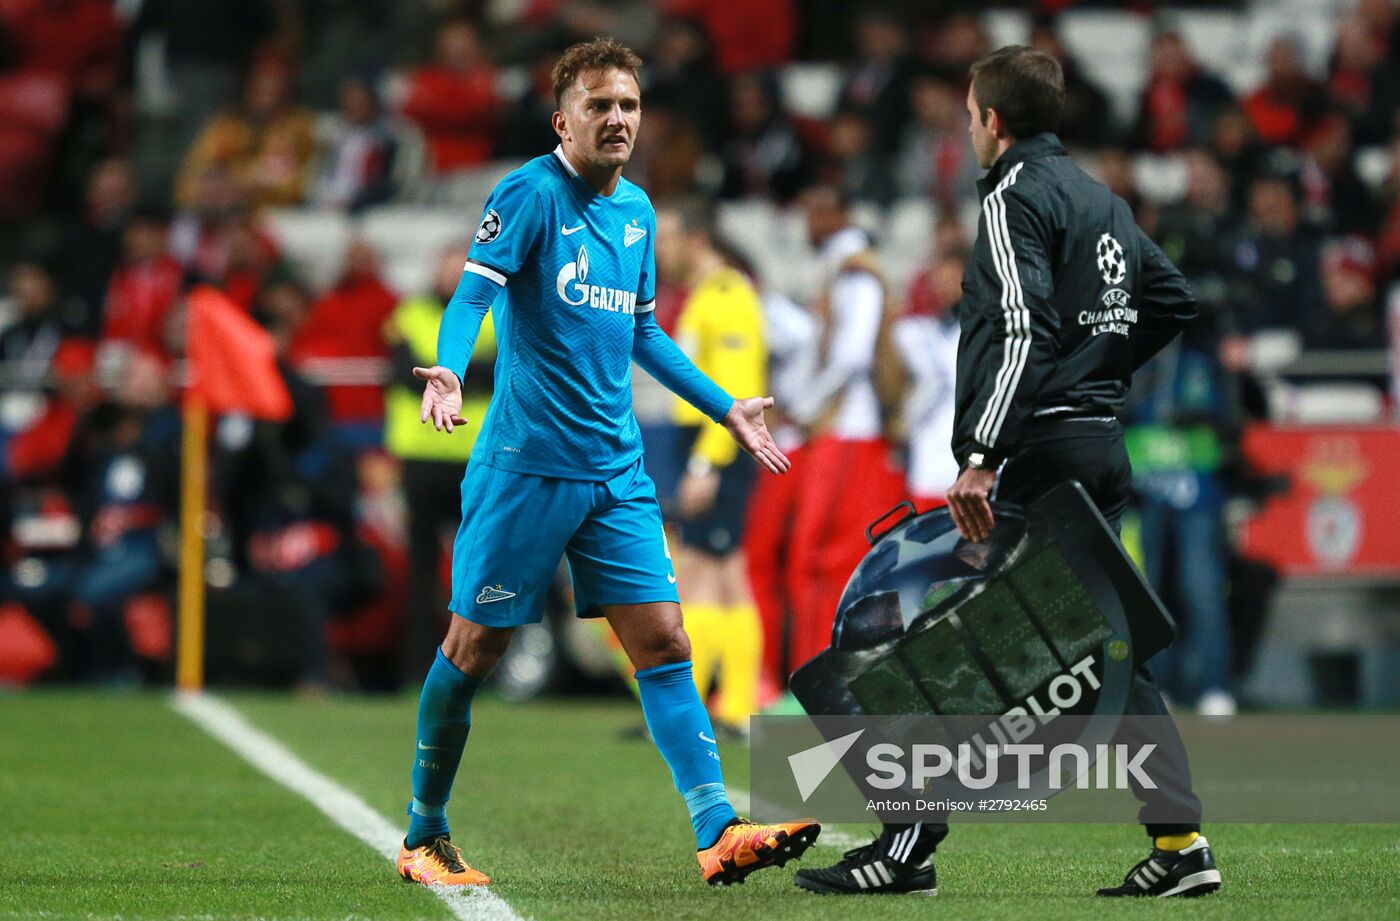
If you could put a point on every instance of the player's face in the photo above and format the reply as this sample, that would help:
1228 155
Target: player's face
600 117
984 142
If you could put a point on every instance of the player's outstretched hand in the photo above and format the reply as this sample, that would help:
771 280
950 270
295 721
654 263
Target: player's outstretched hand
442 397
745 423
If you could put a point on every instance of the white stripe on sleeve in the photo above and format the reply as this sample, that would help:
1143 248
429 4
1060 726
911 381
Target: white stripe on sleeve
485 271
1017 345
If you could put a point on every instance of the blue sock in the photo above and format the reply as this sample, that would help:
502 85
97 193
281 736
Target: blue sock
444 719
681 727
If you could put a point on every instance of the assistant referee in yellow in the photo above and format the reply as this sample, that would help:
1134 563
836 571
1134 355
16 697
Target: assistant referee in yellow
721 329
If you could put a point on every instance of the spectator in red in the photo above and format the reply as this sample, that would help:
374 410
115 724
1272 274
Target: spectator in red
746 34
1334 197
347 322
44 376
144 287
1180 102
245 261
78 41
1350 316
1382 18
454 99
1283 109
1363 83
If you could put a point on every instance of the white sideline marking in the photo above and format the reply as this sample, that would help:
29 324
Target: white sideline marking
742 802
340 805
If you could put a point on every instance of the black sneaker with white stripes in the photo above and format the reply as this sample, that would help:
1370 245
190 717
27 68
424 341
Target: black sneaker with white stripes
882 866
1187 872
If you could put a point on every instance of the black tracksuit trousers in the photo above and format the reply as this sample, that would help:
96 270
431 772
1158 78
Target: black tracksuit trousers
1090 449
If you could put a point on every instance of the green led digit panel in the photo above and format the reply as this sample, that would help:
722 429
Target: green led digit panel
948 673
1007 637
1060 603
888 689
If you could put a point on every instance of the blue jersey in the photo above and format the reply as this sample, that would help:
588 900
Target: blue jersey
576 267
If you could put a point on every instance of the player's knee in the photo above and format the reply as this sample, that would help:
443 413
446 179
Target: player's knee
475 649
664 648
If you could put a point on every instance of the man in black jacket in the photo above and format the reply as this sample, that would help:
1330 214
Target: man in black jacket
1063 299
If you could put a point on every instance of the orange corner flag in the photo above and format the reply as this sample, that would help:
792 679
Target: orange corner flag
233 360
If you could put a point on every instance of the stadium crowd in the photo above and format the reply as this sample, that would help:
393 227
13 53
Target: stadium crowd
149 147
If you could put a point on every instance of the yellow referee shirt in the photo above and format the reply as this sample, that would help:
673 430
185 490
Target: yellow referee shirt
721 330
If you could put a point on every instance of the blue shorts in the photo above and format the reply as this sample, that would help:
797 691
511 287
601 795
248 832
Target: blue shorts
516 526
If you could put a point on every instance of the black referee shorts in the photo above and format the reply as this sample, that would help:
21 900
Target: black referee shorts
720 530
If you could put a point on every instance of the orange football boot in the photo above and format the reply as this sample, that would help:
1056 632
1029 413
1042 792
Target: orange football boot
746 846
438 863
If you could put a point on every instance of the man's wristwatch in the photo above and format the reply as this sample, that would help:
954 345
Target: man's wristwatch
976 460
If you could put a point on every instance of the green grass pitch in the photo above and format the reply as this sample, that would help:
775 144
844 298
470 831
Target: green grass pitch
115 806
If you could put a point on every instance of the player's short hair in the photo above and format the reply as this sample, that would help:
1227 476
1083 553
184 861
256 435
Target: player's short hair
599 55
1025 86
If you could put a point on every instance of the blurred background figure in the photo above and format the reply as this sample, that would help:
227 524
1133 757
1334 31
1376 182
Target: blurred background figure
763 155
144 286
847 409
431 465
341 336
1280 253
853 163
935 159
93 242
1350 316
265 143
1088 118
878 84
926 335
358 151
1284 108
453 99
721 328
791 333
1181 100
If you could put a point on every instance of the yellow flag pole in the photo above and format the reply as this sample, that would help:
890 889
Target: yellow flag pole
194 460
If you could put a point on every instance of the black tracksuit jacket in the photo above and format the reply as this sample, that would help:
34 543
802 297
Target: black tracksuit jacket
1064 298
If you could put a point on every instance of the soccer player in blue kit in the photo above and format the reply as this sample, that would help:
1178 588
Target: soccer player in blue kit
565 255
